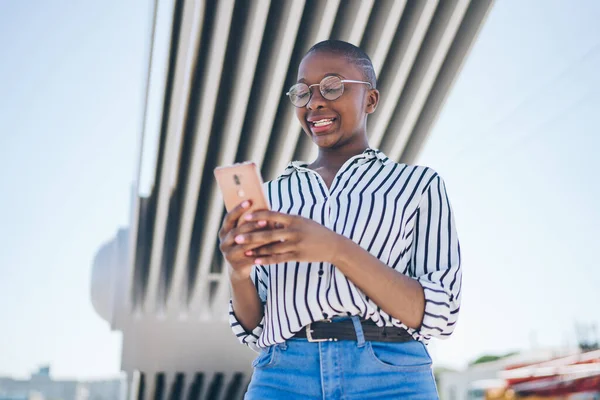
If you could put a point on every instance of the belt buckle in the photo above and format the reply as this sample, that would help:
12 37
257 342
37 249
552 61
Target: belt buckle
313 340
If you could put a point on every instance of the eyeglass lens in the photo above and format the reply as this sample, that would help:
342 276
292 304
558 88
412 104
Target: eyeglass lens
331 88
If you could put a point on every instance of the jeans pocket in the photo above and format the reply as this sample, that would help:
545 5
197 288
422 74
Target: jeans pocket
266 358
409 356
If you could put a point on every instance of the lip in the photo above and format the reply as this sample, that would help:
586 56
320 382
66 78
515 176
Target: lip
322 130
318 117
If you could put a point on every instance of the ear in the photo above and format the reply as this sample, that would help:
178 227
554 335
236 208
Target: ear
372 100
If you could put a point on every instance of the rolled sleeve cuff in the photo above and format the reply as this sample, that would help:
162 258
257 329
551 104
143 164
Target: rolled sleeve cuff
245 337
441 311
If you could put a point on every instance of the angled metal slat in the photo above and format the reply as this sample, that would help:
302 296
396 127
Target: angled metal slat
168 381
186 57
433 58
209 93
323 31
291 128
278 67
232 131
390 27
193 386
176 386
465 37
360 23
134 385
327 20
253 36
134 288
136 200
157 391
149 385
402 62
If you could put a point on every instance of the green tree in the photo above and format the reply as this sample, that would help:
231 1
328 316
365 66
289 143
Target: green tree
491 357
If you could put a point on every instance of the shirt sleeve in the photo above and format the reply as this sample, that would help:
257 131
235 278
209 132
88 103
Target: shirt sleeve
436 261
260 278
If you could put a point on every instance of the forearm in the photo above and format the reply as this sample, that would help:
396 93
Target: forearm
247 306
395 293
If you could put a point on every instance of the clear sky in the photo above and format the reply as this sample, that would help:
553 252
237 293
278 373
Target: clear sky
72 77
517 144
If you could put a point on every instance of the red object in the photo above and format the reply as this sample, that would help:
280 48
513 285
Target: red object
566 375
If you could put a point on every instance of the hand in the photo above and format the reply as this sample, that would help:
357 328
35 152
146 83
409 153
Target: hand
241 265
295 239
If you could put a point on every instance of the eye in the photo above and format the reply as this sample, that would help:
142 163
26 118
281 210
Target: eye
299 91
331 85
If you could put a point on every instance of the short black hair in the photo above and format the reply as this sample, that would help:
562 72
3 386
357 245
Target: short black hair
353 54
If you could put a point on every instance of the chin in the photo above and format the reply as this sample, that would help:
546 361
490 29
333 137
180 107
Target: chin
329 141
326 142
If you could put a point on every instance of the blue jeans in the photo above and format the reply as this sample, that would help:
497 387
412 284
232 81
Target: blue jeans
358 369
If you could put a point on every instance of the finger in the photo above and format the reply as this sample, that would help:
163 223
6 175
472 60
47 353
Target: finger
270 249
270 216
251 227
232 217
229 240
238 251
235 256
264 237
274 225
276 259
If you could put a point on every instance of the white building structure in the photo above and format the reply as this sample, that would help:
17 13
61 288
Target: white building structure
218 73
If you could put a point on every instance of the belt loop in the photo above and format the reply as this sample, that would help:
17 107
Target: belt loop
360 335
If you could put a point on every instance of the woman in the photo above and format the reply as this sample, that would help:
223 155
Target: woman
362 265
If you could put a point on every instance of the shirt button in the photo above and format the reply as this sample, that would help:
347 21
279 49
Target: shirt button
320 272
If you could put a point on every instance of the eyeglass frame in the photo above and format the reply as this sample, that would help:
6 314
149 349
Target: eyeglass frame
319 84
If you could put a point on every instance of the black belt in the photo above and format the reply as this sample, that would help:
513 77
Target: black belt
328 331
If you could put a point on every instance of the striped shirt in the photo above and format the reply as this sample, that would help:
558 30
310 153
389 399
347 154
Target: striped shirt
398 213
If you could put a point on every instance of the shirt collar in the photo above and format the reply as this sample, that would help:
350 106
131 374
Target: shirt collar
367 155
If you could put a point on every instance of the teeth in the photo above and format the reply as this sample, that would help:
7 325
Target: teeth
323 122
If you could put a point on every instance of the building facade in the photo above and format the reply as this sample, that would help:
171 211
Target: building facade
218 73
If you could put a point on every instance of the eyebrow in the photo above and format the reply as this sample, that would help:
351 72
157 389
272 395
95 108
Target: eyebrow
302 80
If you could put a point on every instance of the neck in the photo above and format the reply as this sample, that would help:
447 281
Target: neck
333 159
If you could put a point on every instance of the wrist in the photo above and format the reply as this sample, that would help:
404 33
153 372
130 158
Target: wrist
340 247
237 277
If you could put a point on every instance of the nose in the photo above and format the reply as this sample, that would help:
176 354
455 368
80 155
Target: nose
316 100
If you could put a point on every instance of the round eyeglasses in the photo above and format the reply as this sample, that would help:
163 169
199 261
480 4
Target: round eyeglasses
331 88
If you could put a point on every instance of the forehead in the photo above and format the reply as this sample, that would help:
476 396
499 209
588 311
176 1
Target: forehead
316 65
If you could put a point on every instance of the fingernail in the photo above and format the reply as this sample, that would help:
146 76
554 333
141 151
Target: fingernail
239 239
258 261
262 223
248 253
248 217
246 204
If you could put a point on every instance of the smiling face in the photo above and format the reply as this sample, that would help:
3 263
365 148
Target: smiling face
343 122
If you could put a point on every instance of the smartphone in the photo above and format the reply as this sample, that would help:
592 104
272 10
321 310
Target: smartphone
241 182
